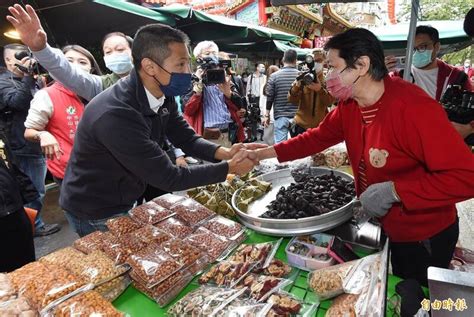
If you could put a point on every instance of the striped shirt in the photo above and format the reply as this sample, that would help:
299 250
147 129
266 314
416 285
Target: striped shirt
368 116
278 86
216 114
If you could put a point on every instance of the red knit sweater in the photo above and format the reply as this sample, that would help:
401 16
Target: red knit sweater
410 142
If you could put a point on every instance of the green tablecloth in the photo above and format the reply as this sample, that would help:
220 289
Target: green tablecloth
137 304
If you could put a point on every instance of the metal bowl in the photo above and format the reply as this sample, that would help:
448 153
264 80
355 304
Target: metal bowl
290 227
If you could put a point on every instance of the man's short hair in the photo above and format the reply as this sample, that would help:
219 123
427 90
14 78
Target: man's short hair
428 30
126 37
203 45
153 40
290 56
355 43
14 47
469 23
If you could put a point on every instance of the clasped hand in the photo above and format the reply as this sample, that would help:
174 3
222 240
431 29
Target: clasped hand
244 158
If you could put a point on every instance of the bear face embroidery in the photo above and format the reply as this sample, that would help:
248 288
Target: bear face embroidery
378 158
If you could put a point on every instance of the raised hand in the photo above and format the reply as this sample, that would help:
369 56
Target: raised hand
28 26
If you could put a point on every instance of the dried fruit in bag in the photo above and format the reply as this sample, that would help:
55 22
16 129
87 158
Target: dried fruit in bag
17 307
343 305
254 252
223 227
175 227
276 268
226 273
153 265
193 259
86 304
150 234
122 225
260 287
169 200
149 213
328 282
191 212
209 242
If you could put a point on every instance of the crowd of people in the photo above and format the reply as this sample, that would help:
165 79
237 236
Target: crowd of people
114 140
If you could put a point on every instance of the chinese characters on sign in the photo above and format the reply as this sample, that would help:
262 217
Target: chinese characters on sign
447 304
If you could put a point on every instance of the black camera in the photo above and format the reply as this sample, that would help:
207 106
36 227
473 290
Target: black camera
307 77
34 69
458 104
214 70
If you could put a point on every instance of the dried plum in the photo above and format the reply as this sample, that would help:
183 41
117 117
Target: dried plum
310 196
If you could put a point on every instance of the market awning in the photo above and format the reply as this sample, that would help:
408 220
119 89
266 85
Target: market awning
452 36
201 26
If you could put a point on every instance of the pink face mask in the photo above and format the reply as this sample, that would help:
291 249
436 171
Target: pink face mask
336 86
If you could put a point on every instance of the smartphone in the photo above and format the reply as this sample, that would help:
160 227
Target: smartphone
341 251
400 62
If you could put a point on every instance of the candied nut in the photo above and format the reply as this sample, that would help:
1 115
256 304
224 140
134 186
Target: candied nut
207 241
86 304
223 227
191 212
17 307
63 257
150 213
174 227
343 305
191 257
150 234
119 249
7 290
91 242
122 225
153 265
169 200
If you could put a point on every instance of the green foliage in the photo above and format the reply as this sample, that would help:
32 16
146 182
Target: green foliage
436 10
460 56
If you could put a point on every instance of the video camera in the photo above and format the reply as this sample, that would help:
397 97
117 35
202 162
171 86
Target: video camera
307 74
214 70
34 69
458 104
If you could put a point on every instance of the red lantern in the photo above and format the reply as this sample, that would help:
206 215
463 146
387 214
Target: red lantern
307 43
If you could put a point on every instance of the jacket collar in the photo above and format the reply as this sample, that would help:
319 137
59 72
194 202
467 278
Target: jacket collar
141 97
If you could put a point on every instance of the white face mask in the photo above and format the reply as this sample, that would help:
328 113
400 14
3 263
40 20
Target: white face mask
261 70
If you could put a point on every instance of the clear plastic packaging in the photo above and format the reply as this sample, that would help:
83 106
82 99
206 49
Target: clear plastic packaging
343 305
204 301
276 268
119 249
286 304
86 304
153 265
66 257
245 308
150 213
227 273
261 253
191 212
122 225
150 234
224 227
328 282
208 242
7 291
192 258
175 227
260 287
92 242
17 307
27 272
168 200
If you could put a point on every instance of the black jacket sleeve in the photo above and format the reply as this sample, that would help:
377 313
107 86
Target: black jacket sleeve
16 94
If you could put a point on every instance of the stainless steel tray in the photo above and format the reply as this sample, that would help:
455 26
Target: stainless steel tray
290 227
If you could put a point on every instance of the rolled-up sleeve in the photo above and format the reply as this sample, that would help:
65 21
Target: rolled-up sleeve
40 112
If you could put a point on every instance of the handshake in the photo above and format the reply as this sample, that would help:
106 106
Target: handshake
242 158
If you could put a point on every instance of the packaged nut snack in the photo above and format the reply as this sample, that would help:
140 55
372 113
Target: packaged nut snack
168 200
209 242
343 305
17 307
328 282
153 265
174 227
86 304
226 273
167 290
7 291
203 301
29 271
224 227
260 287
149 213
191 212
63 257
149 234
192 258
119 249
46 288
286 304
122 225
92 242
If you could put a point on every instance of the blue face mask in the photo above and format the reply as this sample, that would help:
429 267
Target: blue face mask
180 83
118 63
421 60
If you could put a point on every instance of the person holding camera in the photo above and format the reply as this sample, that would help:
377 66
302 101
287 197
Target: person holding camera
310 94
214 107
17 87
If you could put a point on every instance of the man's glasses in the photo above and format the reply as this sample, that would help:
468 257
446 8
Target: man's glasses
422 47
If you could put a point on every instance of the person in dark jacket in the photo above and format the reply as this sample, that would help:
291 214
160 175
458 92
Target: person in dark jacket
16 91
16 232
117 149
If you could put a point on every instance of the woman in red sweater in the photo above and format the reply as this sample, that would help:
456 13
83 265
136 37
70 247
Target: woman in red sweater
55 112
410 165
